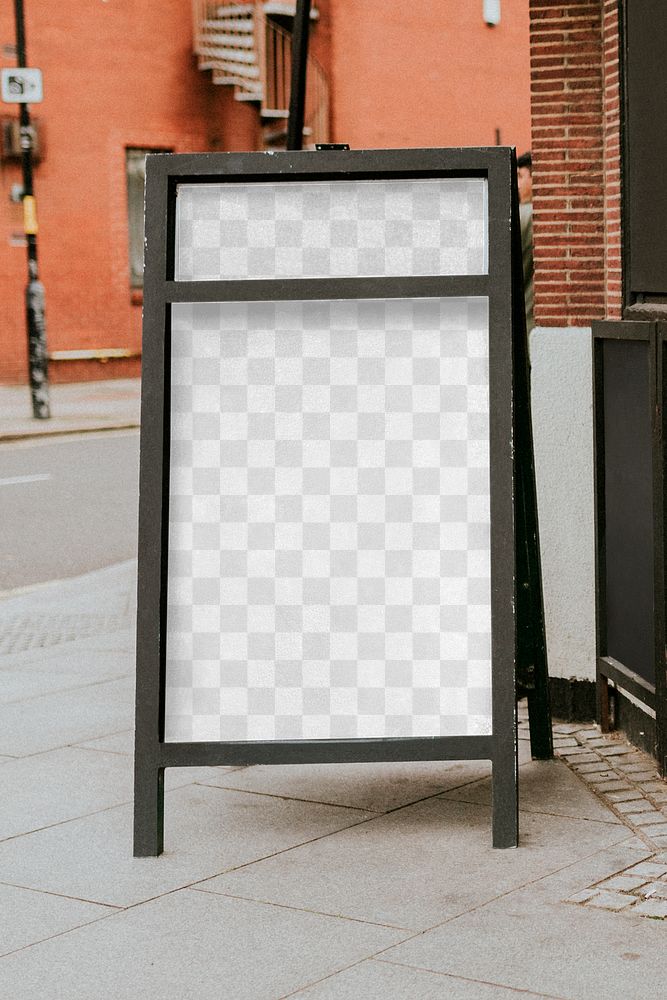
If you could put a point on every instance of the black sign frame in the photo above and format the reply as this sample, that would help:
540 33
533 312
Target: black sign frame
164 173
649 693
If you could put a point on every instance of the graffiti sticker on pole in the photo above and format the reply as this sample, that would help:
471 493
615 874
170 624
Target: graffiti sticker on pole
22 86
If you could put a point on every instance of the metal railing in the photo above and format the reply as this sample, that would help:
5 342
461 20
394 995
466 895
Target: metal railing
248 50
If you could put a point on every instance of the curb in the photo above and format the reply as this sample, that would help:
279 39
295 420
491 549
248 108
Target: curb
29 435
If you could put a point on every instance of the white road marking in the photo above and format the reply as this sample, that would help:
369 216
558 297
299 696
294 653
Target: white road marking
15 480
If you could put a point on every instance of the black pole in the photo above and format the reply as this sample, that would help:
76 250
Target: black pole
297 100
36 324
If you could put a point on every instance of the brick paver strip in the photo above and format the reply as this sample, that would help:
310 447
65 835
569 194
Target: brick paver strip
623 883
583 896
622 776
614 751
652 908
654 830
611 901
581 758
651 889
606 787
626 780
648 868
632 796
634 806
605 779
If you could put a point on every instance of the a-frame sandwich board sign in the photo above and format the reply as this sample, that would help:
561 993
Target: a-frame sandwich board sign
327 487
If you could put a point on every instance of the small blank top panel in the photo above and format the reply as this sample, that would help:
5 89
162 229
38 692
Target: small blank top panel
322 229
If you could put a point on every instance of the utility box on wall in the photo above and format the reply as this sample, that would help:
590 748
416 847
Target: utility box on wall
10 132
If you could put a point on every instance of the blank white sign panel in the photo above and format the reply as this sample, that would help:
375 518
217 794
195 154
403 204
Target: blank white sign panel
331 229
329 518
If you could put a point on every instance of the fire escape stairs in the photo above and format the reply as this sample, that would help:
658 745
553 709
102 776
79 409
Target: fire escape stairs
247 46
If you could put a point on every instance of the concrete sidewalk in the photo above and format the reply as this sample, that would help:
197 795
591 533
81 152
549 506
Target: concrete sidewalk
75 407
367 882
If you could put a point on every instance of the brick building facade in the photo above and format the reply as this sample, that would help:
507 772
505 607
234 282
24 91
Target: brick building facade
576 120
121 78
599 139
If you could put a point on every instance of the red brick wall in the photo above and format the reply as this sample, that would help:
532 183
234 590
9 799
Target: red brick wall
576 165
429 73
612 160
116 75
122 74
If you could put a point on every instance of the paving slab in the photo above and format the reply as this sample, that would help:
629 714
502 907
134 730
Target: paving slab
61 718
596 768
193 944
545 786
580 757
607 783
610 900
64 784
374 787
588 874
631 797
19 685
27 916
58 786
93 658
376 979
122 743
644 817
633 806
624 883
656 908
658 889
418 866
534 941
207 831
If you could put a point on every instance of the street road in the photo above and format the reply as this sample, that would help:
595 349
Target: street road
67 505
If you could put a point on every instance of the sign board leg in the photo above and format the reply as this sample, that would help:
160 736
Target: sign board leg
532 666
531 653
148 809
197 362
505 797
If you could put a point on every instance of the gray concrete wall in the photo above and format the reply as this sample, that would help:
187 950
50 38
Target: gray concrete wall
562 401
